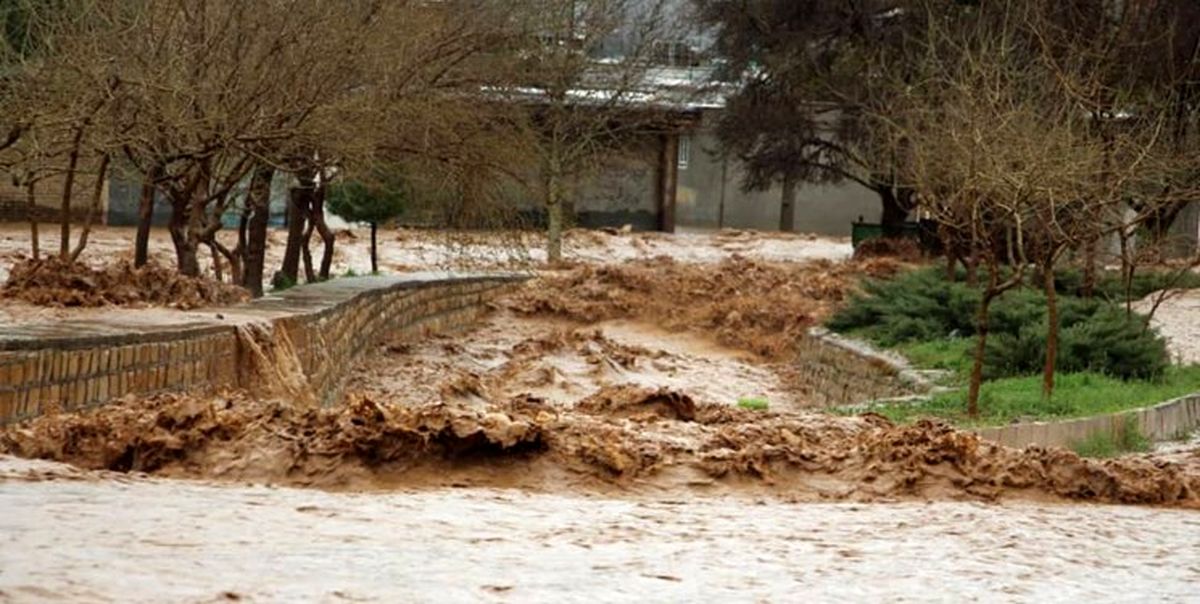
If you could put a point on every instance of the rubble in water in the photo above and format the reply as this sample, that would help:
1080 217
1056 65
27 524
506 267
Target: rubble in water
750 304
627 439
59 283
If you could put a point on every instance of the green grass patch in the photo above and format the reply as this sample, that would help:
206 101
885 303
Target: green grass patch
948 354
1020 399
754 404
1129 440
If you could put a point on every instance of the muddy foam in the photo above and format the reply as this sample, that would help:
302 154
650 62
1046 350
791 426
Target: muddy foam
626 440
58 283
755 305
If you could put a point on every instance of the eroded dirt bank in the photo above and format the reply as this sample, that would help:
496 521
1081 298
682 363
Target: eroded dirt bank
625 440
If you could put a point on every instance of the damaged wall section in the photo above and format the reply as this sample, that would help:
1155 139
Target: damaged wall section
320 330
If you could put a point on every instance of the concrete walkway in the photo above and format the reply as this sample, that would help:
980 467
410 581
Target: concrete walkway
115 326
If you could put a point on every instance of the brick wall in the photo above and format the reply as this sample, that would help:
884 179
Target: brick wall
331 326
32 381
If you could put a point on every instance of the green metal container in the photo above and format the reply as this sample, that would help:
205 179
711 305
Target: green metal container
866 231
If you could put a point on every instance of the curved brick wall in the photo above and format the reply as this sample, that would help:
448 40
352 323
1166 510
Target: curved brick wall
73 364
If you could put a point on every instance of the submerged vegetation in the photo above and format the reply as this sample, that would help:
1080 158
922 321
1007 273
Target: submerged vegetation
754 404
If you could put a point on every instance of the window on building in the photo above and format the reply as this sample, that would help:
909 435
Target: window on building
685 152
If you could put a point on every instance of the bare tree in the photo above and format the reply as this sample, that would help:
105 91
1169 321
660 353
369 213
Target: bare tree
584 102
994 150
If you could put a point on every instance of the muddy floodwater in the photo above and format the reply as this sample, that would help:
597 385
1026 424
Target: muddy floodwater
69 536
584 442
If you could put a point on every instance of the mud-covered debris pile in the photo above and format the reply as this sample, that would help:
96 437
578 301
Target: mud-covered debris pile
239 436
751 304
628 439
899 248
56 282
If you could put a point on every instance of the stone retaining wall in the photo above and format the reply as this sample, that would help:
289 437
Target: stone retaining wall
70 365
1161 422
840 371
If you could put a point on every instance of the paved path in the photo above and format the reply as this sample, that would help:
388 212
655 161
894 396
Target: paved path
142 325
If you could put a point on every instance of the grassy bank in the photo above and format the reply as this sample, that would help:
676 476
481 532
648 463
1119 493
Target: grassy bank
1017 399
1109 361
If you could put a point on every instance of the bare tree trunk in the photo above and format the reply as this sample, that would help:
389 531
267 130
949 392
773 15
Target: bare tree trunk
374 249
218 273
93 208
1128 271
1051 330
242 230
554 215
235 262
186 260
141 247
31 199
894 211
64 244
327 237
982 324
310 276
289 272
258 203
298 209
787 209
1090 260
237 257
994 289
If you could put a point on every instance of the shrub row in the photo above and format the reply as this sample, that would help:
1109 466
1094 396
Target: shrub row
1095 333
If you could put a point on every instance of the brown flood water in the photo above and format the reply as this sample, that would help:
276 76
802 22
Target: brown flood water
641 483
74 536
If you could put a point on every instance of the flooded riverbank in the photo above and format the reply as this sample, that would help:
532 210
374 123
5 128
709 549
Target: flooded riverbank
584 443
